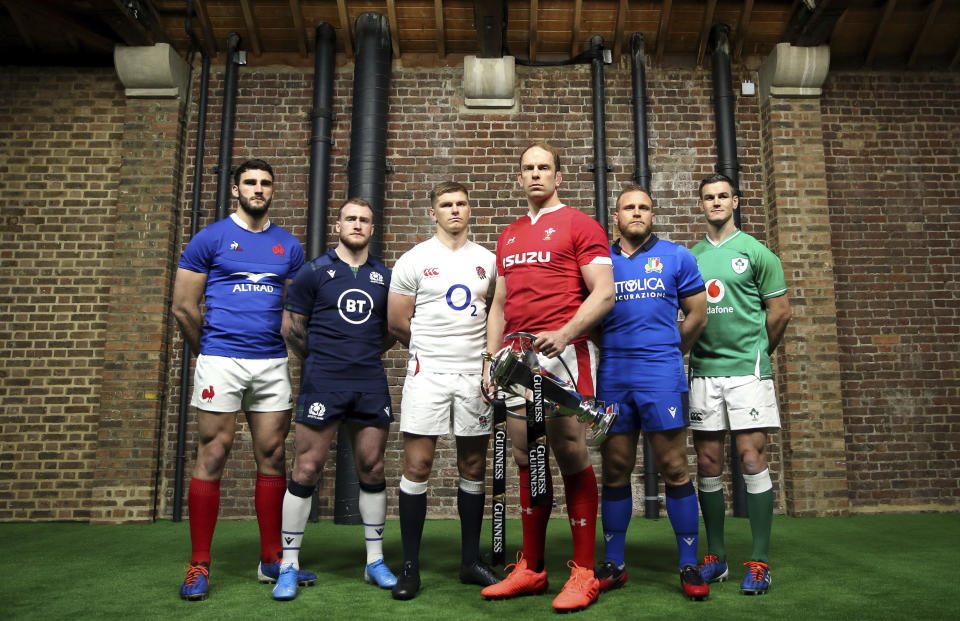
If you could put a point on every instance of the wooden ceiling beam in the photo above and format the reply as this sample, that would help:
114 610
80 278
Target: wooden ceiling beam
925 31
49 17
20 22
662 30
347 28
534 8
253 33
209 40
743 28
441 29
618 30
143 34
296 12
394 27
575 31
878 33
705 26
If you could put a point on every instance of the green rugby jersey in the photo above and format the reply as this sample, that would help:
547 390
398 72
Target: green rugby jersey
739 273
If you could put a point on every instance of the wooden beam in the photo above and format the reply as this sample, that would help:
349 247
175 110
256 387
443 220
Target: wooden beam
878 33
20 22
705 26
347 28
662 30
743 28
144 35
534 8
575 31
50 18
209 39
296 12
925 31
252 32
441 29
618 31
394 27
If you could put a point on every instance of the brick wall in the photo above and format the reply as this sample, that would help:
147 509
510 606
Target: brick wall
892 156
60 133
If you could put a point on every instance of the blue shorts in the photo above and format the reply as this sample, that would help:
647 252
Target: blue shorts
648 411
319 409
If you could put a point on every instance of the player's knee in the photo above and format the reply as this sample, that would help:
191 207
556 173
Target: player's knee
418 470
752 461
709 465
471 468
616 468
370 469
521 458
674 472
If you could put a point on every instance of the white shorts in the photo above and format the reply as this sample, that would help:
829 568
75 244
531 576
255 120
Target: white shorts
429 399
733 404
581 359
222 384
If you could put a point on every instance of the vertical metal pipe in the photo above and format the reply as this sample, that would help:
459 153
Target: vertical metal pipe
641 173
367 179
226 126
599 132
727 164
320 141
181 458
724 108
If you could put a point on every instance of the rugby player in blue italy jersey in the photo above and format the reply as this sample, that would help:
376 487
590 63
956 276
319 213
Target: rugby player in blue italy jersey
335 320
239 268
641 368
731 385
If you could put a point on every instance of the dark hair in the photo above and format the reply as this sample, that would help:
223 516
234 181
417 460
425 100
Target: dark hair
717 178
631 187
355 200
253 164
445 187
549 148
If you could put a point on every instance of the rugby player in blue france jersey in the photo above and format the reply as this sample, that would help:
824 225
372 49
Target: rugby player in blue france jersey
238 267
335 320
641 368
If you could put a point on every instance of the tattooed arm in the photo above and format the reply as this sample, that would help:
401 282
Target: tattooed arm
295 333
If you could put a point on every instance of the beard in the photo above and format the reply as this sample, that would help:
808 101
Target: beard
354 245
255 212
636 235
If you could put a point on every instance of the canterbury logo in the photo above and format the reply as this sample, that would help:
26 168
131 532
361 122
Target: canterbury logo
431 271
251 276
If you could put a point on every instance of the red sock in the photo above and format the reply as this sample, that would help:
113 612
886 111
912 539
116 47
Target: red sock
534 520
268 500
203 501
582 500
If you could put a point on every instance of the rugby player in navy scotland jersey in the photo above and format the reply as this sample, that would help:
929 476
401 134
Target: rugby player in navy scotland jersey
238 267
641 368
335 319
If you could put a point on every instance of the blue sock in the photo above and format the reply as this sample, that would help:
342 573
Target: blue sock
616 508
685 518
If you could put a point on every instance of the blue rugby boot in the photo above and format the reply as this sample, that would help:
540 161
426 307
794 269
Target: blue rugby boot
196 586
379 574
757 580
286 587
267 573
713 569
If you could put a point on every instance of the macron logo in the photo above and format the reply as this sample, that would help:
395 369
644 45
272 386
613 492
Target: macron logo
252 276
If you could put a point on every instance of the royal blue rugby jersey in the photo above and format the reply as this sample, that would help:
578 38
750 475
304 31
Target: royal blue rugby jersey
348 318
640 342
246 273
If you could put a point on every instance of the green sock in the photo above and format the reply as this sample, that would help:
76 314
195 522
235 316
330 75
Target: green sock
714 509
760 507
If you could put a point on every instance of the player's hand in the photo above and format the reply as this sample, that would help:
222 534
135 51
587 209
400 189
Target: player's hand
485 380
551 343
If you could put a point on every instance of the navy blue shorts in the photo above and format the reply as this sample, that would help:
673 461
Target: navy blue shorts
319 409
648 410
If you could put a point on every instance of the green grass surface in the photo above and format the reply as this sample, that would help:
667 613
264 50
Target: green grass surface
861 567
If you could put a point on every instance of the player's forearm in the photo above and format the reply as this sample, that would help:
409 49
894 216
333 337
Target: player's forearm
295 334
191 326
399 331
690 329
594 308
495 325
778 316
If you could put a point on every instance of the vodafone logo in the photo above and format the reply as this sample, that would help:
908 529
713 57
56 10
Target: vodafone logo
430 272
715 291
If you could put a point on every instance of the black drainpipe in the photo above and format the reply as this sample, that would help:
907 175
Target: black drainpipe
599 131
181 458
224 184
367 180
320 143
642 177
724 108
727 164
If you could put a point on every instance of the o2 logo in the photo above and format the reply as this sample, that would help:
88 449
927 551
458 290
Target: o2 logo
459 298
355 306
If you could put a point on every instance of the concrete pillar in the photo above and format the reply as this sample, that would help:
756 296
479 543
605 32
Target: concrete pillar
134 371
795 196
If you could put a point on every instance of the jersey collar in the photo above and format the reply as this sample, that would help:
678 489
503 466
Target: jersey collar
543 212
243 225
332 253
724 240
646 247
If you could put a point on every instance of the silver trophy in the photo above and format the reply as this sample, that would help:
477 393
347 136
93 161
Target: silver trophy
510 373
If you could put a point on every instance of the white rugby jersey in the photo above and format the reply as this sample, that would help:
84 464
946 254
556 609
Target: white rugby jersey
448 330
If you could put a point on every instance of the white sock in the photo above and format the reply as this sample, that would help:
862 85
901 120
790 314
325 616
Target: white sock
296 510
373 512
709 484
758 483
